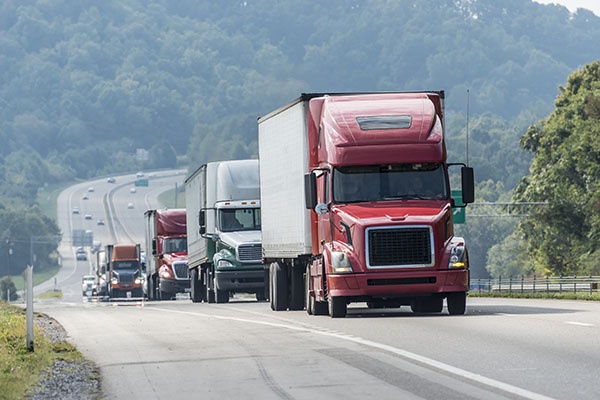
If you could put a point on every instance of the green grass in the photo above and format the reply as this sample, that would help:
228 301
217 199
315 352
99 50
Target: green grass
38 278
51 294
582 295
19 368
168 198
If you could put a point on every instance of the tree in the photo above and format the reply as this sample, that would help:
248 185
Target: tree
563 237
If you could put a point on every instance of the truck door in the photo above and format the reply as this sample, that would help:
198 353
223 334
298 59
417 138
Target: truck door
323 220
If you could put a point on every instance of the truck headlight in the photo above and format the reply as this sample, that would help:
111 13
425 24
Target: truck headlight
222 263
457 256
138 281
340 263
114 281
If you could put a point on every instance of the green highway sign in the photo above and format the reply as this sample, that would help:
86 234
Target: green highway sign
458 213
141 182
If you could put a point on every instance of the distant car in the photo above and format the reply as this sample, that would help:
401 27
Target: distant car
88 216
80 254
75 210
85 197
91 189
139 174
88 284
132 190
100 222
130 205
111 180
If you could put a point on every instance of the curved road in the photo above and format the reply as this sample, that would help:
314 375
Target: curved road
500 349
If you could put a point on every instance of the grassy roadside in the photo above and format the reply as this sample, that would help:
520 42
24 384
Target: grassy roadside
19 368
585 296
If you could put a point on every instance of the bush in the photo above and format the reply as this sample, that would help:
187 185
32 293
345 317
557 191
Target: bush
7 284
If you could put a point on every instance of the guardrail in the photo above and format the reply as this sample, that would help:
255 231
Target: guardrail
549 284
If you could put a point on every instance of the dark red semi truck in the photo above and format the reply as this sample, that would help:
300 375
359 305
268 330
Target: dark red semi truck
357 206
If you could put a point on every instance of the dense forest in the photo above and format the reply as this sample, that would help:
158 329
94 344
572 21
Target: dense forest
83 85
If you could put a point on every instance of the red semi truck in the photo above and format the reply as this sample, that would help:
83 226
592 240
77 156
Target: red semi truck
357 206
166 253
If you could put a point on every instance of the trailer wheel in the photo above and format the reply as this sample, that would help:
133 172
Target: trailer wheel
337 307
457 303
297 289
195 286
279 286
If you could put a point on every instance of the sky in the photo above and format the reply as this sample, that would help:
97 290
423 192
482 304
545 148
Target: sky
572 5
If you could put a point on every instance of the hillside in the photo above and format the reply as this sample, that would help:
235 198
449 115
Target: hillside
83 85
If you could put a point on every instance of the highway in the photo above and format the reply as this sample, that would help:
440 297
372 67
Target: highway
500 349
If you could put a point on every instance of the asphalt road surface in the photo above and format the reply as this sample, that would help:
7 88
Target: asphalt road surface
500 349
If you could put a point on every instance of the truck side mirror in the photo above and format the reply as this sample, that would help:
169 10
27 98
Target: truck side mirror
202 222
310 190
468 185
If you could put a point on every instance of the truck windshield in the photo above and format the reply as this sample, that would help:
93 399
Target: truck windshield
175 245
239 219
389 182
126 264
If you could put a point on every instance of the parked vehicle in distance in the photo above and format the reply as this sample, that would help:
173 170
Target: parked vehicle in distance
88 285
91 189
100 222
132 190
85 197
75 210
166 253
81 254
88 216
111 180
223 231
130 205
361 209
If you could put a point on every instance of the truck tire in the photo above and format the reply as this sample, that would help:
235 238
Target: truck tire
196 293
222 296
337 306
427 305
457 303
309 300
210 294
150 287
297 289
279 286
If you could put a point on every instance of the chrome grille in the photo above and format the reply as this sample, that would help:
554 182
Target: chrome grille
250 252
180 269
410 246
125 278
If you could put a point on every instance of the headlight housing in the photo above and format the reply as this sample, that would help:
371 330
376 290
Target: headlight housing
223 263
340 263
458 256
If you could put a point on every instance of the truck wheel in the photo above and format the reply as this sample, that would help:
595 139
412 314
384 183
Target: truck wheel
222 296
195 286
297 289
150 287
337 307
427 305
279 287
261 296
210 294
457 303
